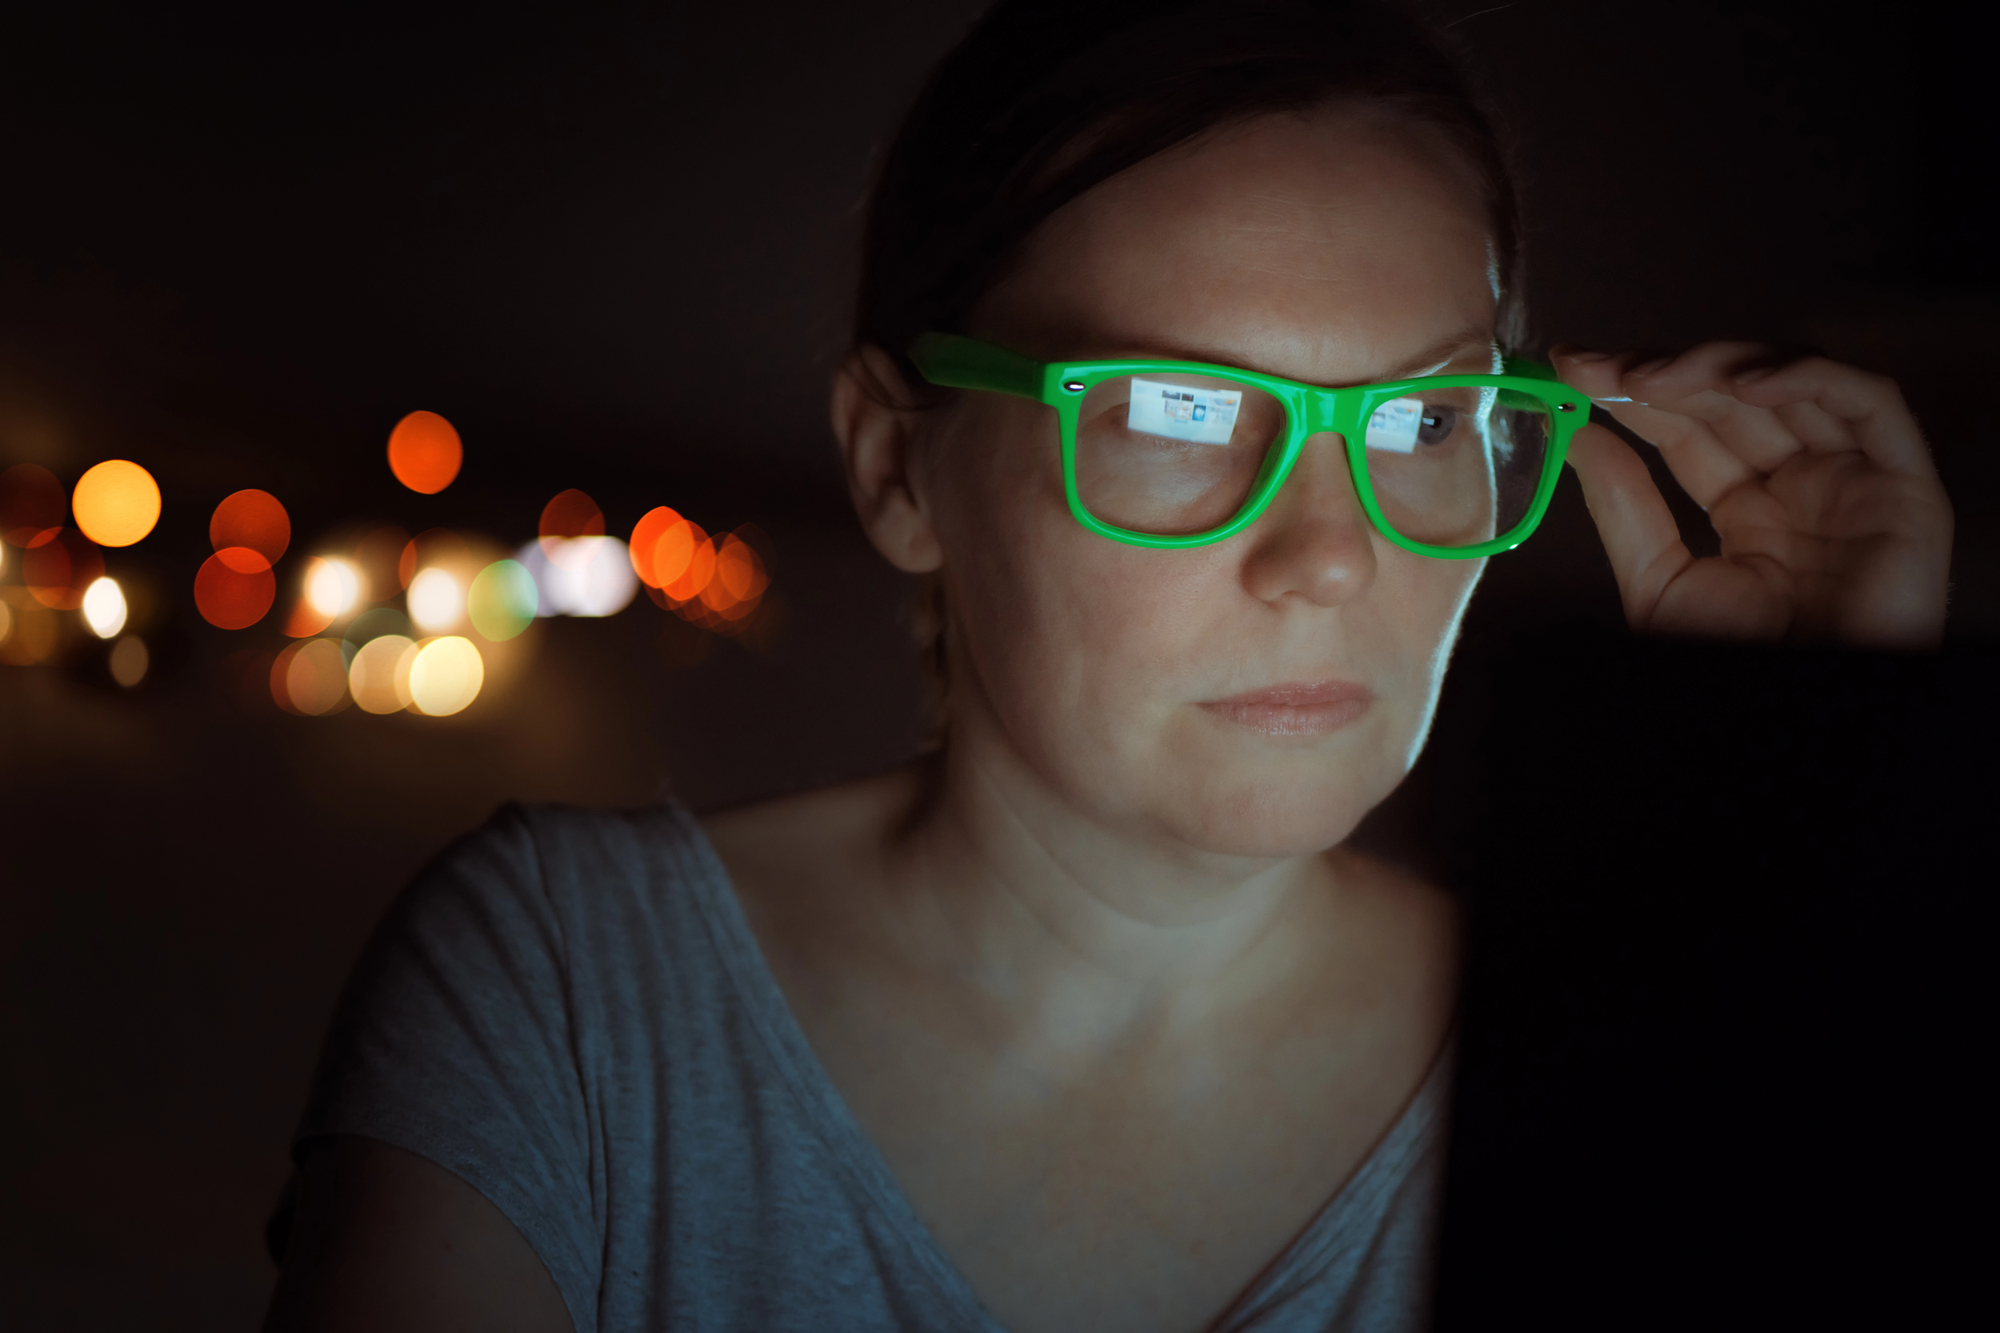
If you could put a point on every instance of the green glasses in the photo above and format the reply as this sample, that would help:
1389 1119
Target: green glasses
1177 453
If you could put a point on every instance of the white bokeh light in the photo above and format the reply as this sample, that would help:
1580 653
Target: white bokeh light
436 601
104 608
333 587
581 576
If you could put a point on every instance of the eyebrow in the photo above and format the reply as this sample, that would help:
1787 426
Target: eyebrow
1442 352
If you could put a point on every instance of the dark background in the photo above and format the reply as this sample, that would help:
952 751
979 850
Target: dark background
615 247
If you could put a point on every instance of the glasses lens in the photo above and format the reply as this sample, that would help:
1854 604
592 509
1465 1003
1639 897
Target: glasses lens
1457 466
1171 454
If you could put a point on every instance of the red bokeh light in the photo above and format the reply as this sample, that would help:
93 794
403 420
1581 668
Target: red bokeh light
570 514
31 502
252 520
425 452
58 565
234 588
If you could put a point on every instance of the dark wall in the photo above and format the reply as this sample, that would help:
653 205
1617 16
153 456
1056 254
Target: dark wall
615 248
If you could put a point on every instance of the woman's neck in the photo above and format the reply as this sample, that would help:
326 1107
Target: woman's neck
1085 932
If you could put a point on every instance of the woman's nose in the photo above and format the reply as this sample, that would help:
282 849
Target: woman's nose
1315 540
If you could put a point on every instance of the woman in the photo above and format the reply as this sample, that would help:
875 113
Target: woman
1088 1019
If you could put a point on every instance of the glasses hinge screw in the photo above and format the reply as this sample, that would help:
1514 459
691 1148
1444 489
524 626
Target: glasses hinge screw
1565 407
1073 386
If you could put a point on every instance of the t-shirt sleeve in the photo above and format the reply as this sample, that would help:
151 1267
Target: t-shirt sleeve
453 1040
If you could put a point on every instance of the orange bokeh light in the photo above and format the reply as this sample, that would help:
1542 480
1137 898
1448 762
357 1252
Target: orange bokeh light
116 503
570 514
234 588
425 452
251 520
31 502
310 678
674 556
58 564
646 534
306 620
432 546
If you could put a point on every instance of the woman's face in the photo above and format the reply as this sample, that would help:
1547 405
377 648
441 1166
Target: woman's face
1255 696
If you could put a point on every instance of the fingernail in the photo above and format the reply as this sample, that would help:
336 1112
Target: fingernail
1650 367
1752 376
1588 356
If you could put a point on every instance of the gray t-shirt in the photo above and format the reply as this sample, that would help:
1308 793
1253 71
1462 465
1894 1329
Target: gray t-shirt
569 1010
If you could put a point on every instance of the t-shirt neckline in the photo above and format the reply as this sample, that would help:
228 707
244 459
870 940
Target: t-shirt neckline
856 1155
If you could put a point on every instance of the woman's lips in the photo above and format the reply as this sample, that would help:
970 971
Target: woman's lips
1296 710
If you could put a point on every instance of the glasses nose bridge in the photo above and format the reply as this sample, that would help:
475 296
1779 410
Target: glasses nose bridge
1318 411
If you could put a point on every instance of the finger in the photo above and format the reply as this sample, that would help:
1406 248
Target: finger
1870 406
1638 530
1705 467
1700 385
1596 374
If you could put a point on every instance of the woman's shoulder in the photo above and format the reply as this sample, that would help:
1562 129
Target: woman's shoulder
817 834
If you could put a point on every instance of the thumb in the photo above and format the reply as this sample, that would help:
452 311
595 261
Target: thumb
1638 530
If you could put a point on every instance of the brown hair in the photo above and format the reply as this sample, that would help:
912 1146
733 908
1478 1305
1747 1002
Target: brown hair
1044 99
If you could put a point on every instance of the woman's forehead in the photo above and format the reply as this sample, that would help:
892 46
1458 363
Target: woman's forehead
1315 247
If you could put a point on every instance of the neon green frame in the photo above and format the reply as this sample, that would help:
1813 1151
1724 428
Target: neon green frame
951 360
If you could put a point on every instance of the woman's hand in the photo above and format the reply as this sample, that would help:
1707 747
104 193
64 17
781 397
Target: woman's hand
1834 525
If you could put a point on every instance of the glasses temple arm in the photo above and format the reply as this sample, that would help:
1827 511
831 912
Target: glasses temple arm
954 361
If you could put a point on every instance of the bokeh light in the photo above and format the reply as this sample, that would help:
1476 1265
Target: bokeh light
673 551
32 630
253 520
375 622
570 514
379 676
581 576
116 503
104 608
379 558
310 678
332 588
436 602
234 588
425 452
739 580
58 564
446 675
434 547
502 600
646 534
129 660
693 572
31 502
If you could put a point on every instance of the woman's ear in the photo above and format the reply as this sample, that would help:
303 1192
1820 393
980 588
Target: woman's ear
876 421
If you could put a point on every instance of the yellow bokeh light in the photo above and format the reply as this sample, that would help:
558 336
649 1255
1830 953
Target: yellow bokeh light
436 602
379 676
333 587
104 608
129 660
446 676
116 503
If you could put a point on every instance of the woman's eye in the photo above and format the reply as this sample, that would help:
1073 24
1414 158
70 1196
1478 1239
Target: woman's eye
1436 424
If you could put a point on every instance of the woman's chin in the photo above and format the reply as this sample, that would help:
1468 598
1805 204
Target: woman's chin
1271 822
